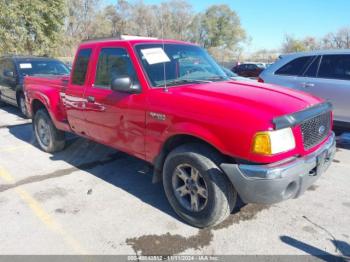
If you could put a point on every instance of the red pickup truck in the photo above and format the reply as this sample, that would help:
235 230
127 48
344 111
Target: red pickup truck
209 138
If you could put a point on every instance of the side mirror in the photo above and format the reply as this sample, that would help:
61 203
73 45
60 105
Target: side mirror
8 73
124 84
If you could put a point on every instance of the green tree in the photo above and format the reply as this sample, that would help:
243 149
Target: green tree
31 26
221 27
196 32
292 44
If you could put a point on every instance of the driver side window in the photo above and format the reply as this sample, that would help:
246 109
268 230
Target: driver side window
113 63
8 67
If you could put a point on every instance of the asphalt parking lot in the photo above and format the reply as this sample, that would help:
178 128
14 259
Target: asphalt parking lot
90 199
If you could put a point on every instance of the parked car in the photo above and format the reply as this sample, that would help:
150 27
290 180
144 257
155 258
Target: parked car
322 73
14 68
234 76
209 138
69 65
248 70
259 64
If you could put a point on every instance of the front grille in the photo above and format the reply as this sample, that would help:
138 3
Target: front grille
316 129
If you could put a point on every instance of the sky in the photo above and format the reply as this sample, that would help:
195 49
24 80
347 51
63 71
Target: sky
267 22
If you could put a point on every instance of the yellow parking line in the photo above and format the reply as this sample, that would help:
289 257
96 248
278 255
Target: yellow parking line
42 214
13 148
6 176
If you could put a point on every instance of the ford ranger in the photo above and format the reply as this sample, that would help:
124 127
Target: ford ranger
209 138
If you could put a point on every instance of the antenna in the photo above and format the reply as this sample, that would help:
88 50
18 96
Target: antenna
162 30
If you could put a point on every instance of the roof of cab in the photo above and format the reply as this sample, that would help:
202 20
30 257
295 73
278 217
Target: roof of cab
132 41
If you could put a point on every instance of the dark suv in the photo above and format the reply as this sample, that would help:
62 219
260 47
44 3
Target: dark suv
248 70
13 69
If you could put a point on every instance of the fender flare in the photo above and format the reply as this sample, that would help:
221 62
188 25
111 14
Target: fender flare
184 129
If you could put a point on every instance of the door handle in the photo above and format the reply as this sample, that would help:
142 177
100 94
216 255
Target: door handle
91 99
307 84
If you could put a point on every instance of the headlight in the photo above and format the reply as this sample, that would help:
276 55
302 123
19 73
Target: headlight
273 142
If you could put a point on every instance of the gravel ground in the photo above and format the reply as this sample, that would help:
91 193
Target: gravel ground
90 199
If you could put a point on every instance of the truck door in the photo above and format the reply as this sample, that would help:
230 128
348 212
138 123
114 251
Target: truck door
8 81
115 118
331 82
73 96
290 74
1 78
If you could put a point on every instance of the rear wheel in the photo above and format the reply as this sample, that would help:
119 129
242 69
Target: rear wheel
195 186
22 105
2 104
49 138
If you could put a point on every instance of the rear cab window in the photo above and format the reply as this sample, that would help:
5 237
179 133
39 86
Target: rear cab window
81 66
295 67
335 67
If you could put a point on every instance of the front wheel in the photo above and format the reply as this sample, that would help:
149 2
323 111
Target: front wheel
195 186
49 138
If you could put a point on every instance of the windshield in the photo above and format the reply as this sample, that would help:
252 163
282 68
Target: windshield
176 64
44 67
229 73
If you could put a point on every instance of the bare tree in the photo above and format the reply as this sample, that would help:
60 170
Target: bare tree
118 17
218 27
182 16
345 33
81 14
144 20
341 39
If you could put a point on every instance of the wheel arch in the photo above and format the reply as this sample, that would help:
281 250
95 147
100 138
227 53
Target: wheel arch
36 105
18 93
175 141
51 105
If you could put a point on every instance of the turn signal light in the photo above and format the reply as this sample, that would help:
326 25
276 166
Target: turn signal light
262 144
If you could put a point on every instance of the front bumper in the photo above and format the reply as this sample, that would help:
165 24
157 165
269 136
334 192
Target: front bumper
276 182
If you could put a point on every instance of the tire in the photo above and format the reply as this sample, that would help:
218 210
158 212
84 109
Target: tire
221 197
22 105
49 138
2 104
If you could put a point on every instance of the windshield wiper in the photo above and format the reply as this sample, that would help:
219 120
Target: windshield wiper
216 78
185 81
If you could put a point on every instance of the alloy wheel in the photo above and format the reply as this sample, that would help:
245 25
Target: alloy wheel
43 130
190 188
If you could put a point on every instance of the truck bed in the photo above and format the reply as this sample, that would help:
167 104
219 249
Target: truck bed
48 89
54 81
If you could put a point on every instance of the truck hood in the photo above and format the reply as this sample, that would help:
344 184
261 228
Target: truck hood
265 99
